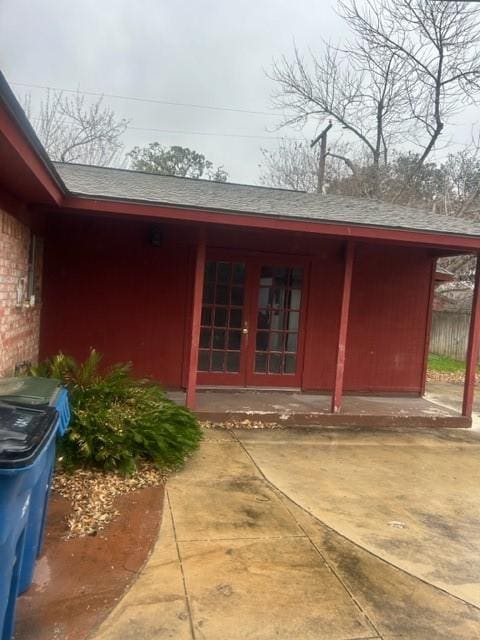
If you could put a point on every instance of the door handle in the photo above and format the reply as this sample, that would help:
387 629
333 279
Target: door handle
245 333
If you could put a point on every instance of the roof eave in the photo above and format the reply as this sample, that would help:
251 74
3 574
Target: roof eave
203 215
23 138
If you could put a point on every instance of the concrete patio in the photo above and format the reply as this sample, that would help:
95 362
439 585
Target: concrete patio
295 408
327 534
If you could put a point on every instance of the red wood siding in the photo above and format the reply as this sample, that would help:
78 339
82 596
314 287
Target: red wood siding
388 319
106 286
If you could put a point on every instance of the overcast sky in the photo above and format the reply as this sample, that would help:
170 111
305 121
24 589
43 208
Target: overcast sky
204 52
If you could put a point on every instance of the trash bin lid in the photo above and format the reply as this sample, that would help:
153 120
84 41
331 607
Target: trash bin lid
29 390
23 433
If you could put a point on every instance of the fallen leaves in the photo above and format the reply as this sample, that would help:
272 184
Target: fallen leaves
445 376
240 424
92 495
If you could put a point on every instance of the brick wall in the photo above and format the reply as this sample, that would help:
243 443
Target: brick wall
19 323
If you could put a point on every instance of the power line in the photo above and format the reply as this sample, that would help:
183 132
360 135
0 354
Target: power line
210 134
216 134
148 100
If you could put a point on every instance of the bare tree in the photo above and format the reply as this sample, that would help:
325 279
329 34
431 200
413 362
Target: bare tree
410 65
294 165
359 90
437 42
72 130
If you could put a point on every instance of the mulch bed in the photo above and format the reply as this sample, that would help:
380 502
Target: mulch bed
78 580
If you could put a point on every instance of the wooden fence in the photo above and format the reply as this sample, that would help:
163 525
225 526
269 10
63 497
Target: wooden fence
449 335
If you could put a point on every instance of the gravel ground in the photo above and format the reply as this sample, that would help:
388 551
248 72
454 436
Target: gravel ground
92 495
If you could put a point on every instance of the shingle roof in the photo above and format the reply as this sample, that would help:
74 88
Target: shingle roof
121 184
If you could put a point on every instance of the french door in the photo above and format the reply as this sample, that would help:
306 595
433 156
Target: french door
252 322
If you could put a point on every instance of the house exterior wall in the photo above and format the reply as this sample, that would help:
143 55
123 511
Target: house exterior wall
109 288
19 323
389 319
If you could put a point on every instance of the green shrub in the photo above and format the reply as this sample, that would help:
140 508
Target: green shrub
117 420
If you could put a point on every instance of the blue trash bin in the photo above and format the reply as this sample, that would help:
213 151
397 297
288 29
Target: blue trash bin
39 393
35 530
26 440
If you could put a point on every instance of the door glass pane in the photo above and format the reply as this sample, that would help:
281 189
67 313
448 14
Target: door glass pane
234 340
278 317
263 319
238 276
281 274
222 317
290 363
261 363
262 341
237 296
224 271
218 358
204 361
291 344
292 321
276 341
210 271
205 338
278 298
297 278
206 316
235 318
208 293
219 339
221 294
295 298
275 363
233 361
263 297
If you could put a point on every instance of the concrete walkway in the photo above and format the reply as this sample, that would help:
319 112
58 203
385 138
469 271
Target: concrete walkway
299 535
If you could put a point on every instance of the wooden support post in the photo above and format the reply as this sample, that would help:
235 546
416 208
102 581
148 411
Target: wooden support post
473 347
428 328
196 318
343 328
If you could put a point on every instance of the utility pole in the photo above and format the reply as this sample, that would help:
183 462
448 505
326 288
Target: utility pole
322 138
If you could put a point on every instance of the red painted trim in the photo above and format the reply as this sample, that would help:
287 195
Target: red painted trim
271 222
428 328
302 343
196 317
34 163
343 329
473 347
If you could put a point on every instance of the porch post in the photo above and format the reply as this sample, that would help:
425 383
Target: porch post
343 328
196 318
473 347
